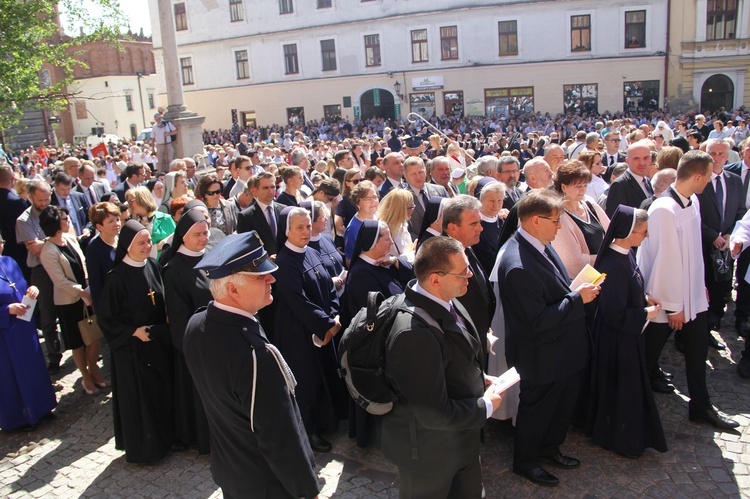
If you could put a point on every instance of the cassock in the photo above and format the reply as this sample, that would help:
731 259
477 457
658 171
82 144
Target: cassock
186 291
306 306
141 371
623 416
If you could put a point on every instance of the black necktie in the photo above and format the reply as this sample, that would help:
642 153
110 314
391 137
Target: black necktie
611 160
649 190
91 196
720 198
425 199
552 260
271 219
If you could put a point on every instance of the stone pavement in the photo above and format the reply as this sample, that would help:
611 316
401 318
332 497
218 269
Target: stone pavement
73 455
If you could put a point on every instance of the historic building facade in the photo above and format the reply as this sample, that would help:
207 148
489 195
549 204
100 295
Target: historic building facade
269 61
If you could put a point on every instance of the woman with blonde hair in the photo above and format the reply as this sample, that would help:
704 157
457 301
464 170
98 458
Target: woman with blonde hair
292 177
395 210
143 210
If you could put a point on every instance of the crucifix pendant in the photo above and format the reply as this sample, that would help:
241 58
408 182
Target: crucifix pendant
151 294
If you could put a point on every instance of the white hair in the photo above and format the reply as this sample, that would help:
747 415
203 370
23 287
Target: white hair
218 287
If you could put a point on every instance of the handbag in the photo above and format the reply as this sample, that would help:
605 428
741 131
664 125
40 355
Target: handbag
89 328
721 261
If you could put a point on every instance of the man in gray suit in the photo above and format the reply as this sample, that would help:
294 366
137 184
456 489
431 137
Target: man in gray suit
416 174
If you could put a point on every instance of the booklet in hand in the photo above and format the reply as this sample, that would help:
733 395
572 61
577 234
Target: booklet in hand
588 275
506 380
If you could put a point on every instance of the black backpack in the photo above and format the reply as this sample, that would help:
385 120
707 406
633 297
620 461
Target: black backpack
361 350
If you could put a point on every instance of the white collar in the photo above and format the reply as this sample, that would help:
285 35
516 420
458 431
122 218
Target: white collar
684 200
419 289
487 219
639 178
619 249
294 248
263 206
315 238
394 182
367 259
536 243
182 249
129 261
234 310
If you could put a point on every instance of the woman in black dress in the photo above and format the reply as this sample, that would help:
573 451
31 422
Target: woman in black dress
63 260
133 318
185 291
623 416
493 217
292 177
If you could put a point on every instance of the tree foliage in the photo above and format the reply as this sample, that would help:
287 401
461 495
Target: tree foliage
31 37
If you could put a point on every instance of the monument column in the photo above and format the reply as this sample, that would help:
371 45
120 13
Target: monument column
189 124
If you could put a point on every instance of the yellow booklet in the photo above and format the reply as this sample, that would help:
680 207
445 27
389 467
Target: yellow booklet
588 275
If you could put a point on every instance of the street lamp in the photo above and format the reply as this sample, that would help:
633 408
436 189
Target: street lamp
397 88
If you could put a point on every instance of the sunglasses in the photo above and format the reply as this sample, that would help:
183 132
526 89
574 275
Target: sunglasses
213 193
248 168
355 181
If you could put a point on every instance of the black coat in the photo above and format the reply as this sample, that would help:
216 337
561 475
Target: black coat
734 209
11 207
436 421
623 416
546 337
252 218
259 447
624 190
479 300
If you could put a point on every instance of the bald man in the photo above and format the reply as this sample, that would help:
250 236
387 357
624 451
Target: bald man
632 188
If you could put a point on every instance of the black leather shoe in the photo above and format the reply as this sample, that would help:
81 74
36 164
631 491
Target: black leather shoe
742 328
743 368
561 461
661 374
662 386
711 416
713 342
53 367
538 475
319 444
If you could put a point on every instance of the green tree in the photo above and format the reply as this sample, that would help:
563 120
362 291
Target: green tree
30 37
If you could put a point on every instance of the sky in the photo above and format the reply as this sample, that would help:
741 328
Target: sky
135 10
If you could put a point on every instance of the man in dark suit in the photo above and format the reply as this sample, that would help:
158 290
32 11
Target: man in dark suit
416 174
546 338
88 186
64 195
509 172
11 206
393 166
722 205
433 432
258 441
243 147
462 222
742 301
133 177
263 215
632 188
612 154
440 174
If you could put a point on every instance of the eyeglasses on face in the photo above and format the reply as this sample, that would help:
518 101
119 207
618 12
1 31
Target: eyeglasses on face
213 193
466 274
555 221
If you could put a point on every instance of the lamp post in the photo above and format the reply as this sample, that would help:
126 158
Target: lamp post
397 88
140 75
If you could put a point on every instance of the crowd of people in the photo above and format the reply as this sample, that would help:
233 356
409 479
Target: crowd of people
482 222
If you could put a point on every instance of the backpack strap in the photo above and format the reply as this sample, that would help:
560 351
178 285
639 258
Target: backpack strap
374 299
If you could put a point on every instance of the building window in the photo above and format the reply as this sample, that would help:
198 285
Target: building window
580 98
372 50
133 131
332 112
635 29
151 101
128 102
423 104
640 96
328 52
243 67
81 113
236 11
448 43
291 64
180 17
286 7
580 33
295 115
721 19
508 33
186 66
419 46
324 4
508 101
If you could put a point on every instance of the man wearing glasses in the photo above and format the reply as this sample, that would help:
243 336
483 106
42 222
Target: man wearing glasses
612 155
244 167
442 401
546 337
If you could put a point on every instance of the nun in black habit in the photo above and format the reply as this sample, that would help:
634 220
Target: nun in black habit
307 319
186 290
433 213
372 269
622 413
133 318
